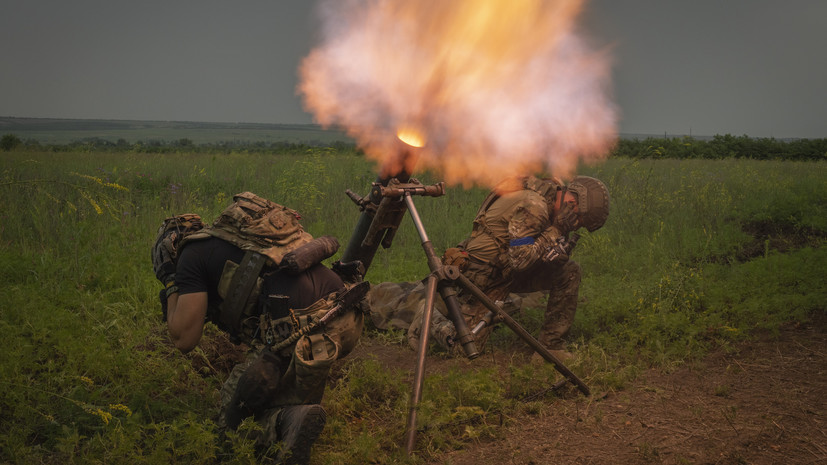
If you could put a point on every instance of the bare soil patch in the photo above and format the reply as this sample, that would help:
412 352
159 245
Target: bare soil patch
762 403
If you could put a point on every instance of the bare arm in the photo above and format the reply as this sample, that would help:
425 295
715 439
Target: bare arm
185 319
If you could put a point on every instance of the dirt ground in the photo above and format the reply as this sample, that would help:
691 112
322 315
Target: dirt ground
763 403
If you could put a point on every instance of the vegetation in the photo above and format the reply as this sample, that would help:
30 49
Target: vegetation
171 137
697 254
726 146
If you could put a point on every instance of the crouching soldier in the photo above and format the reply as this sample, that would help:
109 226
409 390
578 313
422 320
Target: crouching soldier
257 275
520 243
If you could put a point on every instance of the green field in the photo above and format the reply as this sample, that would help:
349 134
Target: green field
696 255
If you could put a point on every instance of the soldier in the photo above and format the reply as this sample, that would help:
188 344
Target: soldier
516 227
237 274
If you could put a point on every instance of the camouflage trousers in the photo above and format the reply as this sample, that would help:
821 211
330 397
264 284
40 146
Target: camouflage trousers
296 375
401 305
562 281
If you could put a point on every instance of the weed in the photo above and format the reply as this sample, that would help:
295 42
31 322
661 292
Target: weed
87 374
721 390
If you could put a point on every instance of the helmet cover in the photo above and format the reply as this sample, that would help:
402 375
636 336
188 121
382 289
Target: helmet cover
592 201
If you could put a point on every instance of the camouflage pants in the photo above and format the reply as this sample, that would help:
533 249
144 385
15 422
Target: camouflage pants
296 375
561 280
400 305
563 283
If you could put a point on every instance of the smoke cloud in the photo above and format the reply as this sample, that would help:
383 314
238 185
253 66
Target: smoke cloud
494 87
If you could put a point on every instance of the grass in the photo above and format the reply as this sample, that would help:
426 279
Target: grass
696 255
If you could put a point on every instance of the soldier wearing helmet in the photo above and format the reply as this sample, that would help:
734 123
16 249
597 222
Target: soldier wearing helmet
508 250
516 227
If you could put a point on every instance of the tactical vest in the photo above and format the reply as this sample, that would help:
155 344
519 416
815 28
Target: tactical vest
266 231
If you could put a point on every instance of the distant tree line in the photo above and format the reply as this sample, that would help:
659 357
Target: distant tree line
184 145
726 146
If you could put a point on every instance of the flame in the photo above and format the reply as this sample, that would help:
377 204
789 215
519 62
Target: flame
500 87
411 136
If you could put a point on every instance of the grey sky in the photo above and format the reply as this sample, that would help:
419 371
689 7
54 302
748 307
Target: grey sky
754 67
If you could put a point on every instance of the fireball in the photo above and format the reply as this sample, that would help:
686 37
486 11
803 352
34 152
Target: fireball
500 87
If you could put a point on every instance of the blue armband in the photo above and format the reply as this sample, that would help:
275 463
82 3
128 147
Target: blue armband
521 241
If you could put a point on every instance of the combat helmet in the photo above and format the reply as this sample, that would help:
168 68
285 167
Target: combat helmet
592 201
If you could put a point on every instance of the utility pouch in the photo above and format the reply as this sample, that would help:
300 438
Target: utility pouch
275 323
457 257
313 357
275 306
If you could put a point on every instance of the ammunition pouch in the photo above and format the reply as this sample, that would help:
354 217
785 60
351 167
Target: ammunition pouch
345 329
457 257
485 275
314 354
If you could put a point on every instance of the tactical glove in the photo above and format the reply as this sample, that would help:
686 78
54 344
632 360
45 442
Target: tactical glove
163 258
164 251
557 252
561 250
552 243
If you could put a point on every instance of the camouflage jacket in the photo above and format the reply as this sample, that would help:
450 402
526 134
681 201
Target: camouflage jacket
512 231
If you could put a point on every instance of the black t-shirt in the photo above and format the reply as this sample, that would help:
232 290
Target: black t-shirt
201 263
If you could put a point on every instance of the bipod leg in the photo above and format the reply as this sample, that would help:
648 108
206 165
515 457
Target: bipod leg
449 295
419 374
524 335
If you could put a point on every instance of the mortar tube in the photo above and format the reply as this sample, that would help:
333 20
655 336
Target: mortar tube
355 250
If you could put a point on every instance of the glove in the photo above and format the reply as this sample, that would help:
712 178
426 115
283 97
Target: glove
164 251
163 257
567 220
553 245
557 253
350 272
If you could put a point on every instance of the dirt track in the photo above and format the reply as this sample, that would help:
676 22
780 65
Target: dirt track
763 404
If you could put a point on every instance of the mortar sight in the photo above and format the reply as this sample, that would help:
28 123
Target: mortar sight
414 187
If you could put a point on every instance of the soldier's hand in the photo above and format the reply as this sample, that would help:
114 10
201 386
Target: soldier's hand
164 250
556 251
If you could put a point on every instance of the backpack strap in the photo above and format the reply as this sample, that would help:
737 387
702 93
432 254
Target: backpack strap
241 286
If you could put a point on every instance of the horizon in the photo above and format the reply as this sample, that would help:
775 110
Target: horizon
697 68
622 135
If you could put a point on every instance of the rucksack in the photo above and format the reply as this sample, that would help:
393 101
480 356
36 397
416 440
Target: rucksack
253 223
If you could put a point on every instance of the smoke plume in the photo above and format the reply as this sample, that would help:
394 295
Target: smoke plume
494 87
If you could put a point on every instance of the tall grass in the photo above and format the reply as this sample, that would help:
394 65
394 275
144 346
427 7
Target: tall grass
696 254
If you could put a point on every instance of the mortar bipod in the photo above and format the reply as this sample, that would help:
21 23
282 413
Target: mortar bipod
444 278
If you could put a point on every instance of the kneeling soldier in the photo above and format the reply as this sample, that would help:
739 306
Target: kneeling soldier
257 275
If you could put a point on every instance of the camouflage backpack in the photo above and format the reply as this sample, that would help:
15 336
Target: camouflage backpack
266 231
253 223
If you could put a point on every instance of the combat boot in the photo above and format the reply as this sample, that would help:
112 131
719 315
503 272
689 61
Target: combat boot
299 426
